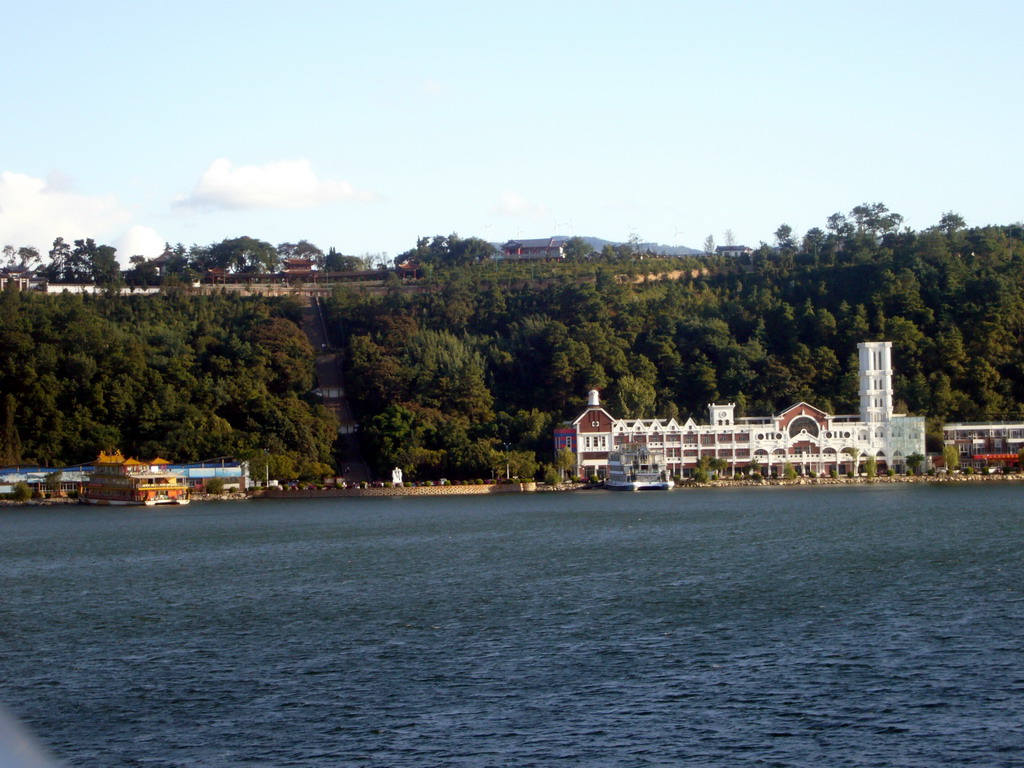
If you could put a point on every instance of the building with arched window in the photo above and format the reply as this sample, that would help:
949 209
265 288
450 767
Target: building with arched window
803 436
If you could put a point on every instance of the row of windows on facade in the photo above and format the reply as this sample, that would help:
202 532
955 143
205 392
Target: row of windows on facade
977 434
598 442
831 454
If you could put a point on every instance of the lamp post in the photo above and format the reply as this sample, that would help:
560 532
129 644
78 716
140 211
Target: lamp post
507 475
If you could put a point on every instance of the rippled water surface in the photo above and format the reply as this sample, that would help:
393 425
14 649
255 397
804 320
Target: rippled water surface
865 626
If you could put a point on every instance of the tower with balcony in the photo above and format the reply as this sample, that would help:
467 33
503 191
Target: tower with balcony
875 381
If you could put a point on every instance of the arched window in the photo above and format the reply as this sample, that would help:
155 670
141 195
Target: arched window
802 423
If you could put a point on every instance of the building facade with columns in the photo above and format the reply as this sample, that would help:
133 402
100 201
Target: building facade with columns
802 435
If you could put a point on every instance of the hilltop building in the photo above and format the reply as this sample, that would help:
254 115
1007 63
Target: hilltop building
19 278
545 248
802 435
733 250
294 266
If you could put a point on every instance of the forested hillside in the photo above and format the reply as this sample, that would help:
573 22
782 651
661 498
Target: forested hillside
446 381
180 376
472 367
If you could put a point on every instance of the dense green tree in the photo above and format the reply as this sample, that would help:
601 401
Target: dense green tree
10 442
915 462
951 223
179 376
302 250
565 461
64 266
875 218
634 397
142 272
243 254
97 263
871 466
951 457
784 238
450 251
577 249
337 262
25 257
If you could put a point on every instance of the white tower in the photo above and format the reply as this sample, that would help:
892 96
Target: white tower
722 415
875 381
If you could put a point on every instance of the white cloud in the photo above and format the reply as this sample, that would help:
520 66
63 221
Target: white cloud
513 204
287 184
139 241
34 212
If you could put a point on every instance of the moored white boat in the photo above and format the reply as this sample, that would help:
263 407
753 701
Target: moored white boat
634 467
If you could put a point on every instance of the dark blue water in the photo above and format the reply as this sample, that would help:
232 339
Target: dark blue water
865 626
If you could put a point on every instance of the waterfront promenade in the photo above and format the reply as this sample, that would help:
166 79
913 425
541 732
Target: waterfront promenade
532 487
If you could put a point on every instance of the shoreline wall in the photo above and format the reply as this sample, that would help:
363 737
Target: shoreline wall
485 490
431 490
1016 477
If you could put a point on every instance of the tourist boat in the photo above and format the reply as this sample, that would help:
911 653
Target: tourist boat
634 467
120 481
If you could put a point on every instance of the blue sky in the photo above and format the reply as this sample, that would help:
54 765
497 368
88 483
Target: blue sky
363 126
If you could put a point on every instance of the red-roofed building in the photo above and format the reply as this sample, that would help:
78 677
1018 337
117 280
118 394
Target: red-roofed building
547 248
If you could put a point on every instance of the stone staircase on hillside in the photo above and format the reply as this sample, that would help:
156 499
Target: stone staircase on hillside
330 386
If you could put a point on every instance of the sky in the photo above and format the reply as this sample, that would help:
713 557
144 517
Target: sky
363 126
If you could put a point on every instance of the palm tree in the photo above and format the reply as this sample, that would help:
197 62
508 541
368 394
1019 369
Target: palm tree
914 462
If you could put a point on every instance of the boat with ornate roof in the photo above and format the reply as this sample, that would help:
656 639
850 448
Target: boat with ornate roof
121 481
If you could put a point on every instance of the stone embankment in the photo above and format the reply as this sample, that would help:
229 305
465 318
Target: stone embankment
37 502
427 490
480 490
484 490
743 482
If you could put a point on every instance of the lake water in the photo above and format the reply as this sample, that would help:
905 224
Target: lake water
855 626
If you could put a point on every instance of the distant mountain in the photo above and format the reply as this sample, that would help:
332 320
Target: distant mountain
663 250
598 244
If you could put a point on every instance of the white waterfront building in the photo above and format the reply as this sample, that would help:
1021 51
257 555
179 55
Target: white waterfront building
802 435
